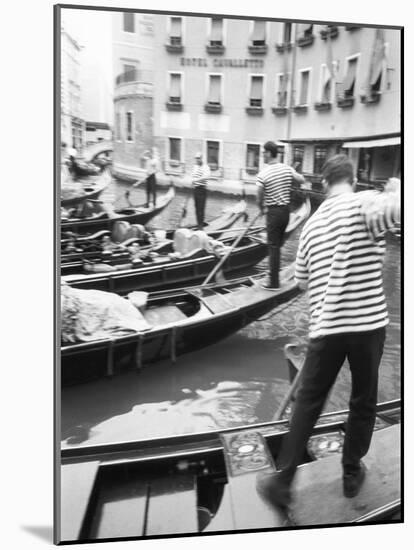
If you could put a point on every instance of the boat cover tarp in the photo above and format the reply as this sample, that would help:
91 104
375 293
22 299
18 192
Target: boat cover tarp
94 314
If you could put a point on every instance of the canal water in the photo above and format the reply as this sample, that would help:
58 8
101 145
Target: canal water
238 381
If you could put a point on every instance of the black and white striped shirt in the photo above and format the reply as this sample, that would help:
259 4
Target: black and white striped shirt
276 179
202 173
340 257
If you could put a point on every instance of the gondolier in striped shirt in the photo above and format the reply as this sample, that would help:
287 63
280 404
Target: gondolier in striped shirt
150 178
340 261
199 180
274 183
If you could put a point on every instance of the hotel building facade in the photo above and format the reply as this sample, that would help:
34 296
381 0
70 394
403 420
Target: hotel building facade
225 86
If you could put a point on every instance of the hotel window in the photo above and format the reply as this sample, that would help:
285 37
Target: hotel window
304 87
298 154
349 81
216 36
129 73
287 33
256 91
214 90
252 157
259 33
175 149
282 90
326 85
213 154
319 158
175 88
129 22
176 31
129 126
376 67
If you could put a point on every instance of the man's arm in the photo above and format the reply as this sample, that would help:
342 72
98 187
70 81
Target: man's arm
260 197
300 180
297 178
301 267
382 212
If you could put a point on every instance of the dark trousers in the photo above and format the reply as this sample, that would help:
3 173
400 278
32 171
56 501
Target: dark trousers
277 220
200 197
151 188
324 359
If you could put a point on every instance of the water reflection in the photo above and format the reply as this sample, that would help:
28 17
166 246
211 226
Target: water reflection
236 382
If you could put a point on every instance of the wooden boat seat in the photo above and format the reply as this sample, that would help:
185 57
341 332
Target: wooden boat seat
163 314
172 506
217 302
221 302
159 506
76 482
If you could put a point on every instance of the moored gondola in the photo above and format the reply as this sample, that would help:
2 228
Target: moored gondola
205 482
172 322
104 216
76 247
88 189
160 267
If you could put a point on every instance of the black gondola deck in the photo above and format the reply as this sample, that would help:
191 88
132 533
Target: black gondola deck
205 483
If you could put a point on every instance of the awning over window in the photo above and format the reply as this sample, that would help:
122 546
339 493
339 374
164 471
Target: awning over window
216 29
175 85
175 27
214 92
259 31
257 85
305 28
350 75
378 56
384 142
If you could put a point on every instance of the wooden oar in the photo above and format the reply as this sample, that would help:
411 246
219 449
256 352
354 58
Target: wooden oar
184 211
288 397
233 246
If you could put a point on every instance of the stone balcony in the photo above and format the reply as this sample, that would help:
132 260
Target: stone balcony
133 89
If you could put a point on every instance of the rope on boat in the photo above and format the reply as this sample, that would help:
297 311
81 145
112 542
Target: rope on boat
138 351
110 359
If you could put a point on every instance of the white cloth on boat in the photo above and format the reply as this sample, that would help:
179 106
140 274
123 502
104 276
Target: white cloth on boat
181 239
186 241
94 314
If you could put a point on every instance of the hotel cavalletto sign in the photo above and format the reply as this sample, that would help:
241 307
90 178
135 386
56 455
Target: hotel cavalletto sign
220 62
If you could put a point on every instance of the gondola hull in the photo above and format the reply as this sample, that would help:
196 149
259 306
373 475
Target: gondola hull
205 483
91 191
138 215
214 228
167 273
216 312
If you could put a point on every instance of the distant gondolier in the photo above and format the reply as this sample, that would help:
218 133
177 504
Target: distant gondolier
199 179
340 261
275 182
150 179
